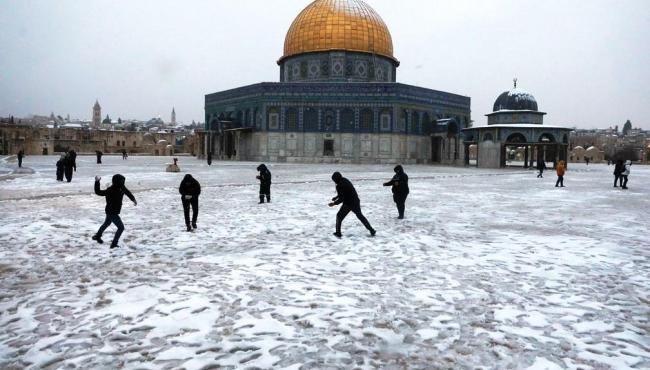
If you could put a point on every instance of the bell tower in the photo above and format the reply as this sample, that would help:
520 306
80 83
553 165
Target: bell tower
97 115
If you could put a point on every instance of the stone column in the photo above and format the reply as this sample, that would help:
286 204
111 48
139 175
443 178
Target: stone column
526 156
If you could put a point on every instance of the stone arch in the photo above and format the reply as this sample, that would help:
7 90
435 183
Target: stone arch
347 120
414 123
488 136
546 137
516 137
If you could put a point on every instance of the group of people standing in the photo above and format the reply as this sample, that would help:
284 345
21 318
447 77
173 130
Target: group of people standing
66 165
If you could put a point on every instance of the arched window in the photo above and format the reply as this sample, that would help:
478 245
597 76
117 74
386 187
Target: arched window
546 138
414 123
274 118
427 125
310 119
292 120
488 137
385 120
366 120
347 120
516 138
330 121
565 139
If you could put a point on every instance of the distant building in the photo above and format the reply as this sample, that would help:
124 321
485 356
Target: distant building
173 117
97 115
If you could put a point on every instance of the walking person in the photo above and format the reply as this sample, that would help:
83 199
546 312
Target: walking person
265 183
347 195
73 159
20 156
99 154
618 170
60 168
625 174
190 190
114 195
400 189
560 170
68 166
124 155
541 166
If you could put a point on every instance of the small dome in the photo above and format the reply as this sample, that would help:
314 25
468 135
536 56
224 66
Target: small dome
515 99
578 148
592 149
162 142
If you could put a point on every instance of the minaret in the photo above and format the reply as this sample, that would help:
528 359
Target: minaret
97 115
173 117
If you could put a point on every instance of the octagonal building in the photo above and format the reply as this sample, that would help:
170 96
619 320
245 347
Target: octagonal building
337 100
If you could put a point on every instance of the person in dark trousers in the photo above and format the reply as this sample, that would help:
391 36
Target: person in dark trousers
60 168
560 170
400 188
114 195
618 170
346 194
124 155
21 154
68 167
99 154
625 173
265 183
73 159
541 166
190 190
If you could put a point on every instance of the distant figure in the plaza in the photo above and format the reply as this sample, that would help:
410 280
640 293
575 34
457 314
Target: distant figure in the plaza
190 190
541 166
400 188
60 168
20 155
114 195
618 170
625 174
124 155
587 160
346 194
560 170
209 158
99 154
68 166
265 183
73 159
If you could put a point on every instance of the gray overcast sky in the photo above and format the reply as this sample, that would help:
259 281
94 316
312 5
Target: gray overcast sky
587 62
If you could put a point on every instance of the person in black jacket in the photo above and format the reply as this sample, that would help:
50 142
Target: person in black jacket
541 166
114 195
619 167
99 154
60 168
68 166
346 194
400 188
73 159
190 190
265 183
21 154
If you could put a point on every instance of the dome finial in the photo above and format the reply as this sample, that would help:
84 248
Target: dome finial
515 81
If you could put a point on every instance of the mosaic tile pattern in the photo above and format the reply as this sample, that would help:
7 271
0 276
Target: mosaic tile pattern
338 25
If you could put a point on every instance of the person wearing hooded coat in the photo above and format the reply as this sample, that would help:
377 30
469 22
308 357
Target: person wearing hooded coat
400 188
265 183
60 168
68 166
99 154
541 166
73 159
347 195
114 195
625 173
190 190
619 167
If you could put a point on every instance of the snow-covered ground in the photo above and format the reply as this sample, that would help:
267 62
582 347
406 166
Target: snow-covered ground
490 269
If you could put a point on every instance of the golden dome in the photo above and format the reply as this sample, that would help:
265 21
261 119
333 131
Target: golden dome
350 25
